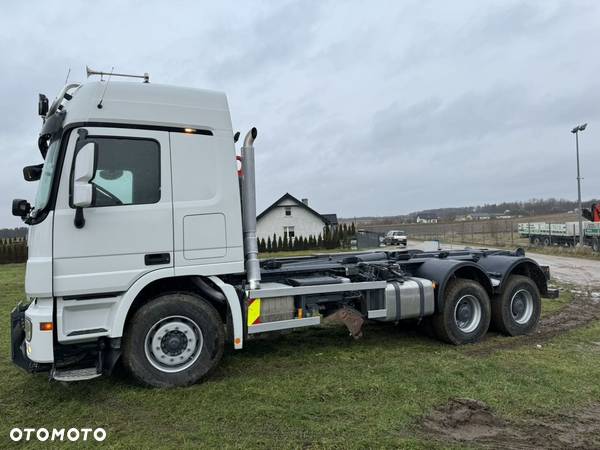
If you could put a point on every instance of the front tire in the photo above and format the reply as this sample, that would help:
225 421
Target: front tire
517 309
176 339
465 314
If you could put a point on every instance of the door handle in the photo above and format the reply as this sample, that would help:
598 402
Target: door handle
152 259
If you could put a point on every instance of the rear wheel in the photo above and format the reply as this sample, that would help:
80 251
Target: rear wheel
465 314
517 309
174 340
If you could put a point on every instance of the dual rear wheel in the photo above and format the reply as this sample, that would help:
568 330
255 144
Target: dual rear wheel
467 311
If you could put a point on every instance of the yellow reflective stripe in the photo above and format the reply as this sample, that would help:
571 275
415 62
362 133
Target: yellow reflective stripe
254 311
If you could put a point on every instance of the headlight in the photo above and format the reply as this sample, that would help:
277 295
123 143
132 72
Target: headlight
27 330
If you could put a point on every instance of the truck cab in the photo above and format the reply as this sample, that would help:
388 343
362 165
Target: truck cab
142 249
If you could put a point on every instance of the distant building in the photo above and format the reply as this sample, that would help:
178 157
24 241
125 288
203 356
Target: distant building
488 216
427 218
294 217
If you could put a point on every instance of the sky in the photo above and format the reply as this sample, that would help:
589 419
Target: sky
365 108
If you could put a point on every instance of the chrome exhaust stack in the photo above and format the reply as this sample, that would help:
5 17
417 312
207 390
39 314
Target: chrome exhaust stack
249 210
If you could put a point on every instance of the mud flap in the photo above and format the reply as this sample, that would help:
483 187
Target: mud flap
349 317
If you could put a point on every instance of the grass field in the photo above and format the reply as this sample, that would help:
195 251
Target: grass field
311 388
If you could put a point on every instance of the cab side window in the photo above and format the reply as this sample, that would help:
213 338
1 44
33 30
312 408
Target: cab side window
127 172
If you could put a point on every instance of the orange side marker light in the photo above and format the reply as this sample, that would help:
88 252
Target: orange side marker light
46 326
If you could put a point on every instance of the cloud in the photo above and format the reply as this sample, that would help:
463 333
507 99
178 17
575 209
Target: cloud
369 109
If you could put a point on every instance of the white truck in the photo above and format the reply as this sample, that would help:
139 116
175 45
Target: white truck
142 249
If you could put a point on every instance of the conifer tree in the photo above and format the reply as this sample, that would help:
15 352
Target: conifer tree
286 242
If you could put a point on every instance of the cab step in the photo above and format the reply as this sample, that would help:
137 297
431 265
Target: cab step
66 375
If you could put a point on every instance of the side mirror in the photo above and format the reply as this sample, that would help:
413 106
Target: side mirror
32 173
43 105
85 168
83 173
20 208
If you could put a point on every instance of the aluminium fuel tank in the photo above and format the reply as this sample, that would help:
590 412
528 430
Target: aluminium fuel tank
408 299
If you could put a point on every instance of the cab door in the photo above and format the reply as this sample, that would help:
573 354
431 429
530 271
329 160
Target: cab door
128 229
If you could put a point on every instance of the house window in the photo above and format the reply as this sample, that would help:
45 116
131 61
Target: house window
288 211
290 232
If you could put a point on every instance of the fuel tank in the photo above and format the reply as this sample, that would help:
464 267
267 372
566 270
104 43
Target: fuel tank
408 299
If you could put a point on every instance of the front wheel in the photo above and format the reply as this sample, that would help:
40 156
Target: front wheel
465 314
596 245
517 309
173 340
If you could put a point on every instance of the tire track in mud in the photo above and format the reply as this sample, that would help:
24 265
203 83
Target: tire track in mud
582 310
472 422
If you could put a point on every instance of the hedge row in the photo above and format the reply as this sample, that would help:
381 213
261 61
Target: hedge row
332 237
13 251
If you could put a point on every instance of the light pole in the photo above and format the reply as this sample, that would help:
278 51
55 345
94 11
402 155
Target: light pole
576 131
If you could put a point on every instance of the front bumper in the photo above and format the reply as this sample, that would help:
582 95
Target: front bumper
18 350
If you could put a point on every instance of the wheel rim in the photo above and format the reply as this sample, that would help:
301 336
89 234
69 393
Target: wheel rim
467 313
521 306
173 344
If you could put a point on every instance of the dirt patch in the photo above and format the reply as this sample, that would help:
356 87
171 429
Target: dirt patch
463 420
472 422
583 309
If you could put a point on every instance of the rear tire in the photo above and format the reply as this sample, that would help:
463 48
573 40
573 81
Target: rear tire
173 340
465 314
517 309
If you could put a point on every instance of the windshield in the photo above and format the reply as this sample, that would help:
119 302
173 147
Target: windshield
45 185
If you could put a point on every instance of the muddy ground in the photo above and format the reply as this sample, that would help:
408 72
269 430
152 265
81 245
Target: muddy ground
471 422
468 422
583 309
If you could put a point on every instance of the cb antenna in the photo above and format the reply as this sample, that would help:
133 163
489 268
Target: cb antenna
68 73
105 86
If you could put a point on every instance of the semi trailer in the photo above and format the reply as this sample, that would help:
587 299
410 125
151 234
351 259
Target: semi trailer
143 250
564 234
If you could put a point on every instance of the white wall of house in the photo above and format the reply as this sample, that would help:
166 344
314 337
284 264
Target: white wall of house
304 222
